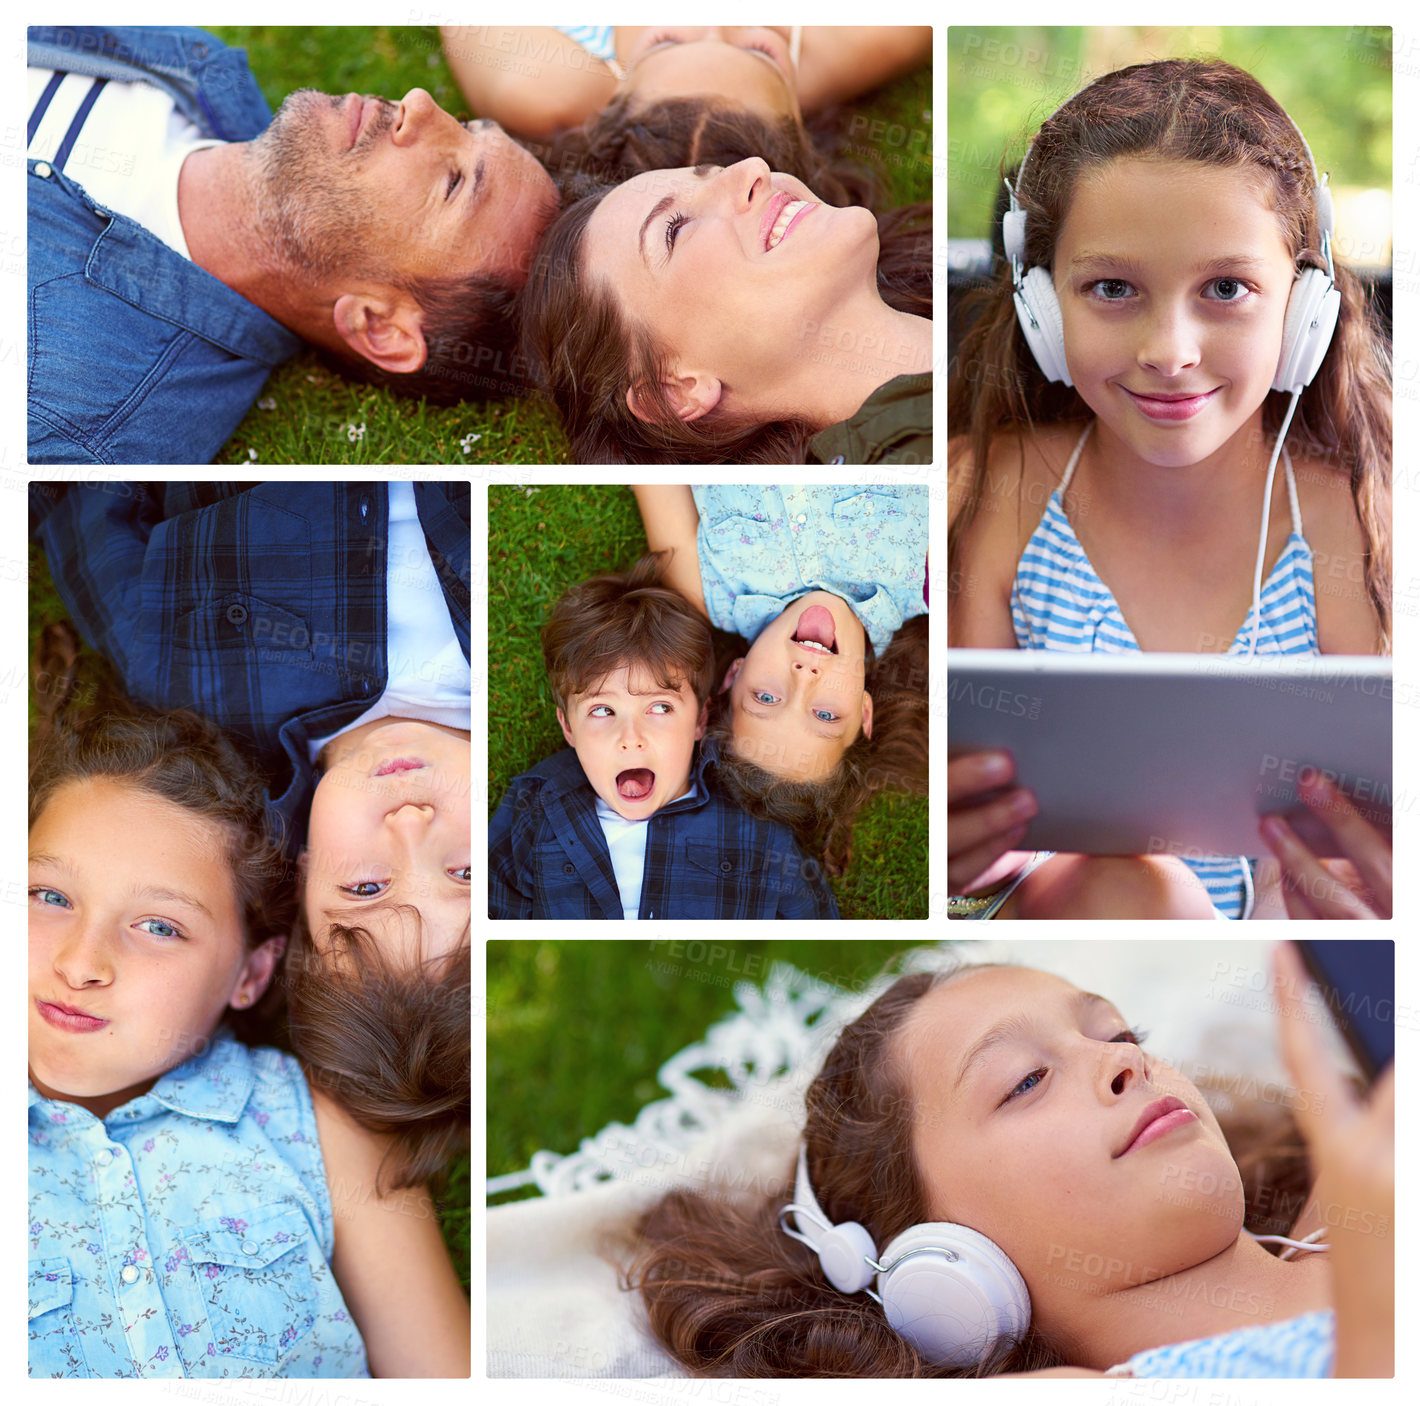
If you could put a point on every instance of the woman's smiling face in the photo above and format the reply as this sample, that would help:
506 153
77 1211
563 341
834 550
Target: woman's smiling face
1029 1099
733 272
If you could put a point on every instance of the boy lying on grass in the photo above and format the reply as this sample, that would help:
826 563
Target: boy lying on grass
627 824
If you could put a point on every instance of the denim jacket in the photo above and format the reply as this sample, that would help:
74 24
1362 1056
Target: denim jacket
137 355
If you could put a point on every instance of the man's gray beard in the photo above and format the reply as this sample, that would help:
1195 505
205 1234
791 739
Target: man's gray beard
313 218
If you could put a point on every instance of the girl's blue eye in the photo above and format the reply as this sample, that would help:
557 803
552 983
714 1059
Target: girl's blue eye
159 928
50 898
464 873
768 699
366 888
1111 290
1128 1037
825 715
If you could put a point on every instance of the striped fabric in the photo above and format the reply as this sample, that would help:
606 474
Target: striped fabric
599 40
1296 1347
1059 602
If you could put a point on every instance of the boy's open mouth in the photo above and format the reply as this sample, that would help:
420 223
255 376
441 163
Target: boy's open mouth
635 784
815 630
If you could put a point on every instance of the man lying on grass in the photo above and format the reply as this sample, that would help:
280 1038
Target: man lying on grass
182 243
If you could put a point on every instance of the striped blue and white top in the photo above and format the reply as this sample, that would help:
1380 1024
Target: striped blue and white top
1295 1347
1059 602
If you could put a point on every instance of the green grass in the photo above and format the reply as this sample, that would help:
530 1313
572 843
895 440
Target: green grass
308 414
95 674
543 540
577 1030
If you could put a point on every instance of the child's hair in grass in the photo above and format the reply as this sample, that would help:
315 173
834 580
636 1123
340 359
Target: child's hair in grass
186 760
388 1042
626 620
821 813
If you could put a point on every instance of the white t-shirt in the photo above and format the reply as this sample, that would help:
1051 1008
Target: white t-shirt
429 678
626 843
128 152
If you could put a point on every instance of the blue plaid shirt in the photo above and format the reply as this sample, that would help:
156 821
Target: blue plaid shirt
260 606
705 858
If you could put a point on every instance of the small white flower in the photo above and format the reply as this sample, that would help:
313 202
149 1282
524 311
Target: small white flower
251 453
354 432
468 441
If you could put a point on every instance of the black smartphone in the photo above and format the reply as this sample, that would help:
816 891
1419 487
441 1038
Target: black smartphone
1357 982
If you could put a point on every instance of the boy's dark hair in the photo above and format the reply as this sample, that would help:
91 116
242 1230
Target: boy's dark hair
821 813
184 759
626 620
389 1044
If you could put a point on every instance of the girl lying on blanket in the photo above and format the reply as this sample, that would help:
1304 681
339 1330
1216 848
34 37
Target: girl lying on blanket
1047 1199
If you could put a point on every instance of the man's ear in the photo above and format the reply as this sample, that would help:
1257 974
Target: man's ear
731 674
566 731
689 397
867 715
384 327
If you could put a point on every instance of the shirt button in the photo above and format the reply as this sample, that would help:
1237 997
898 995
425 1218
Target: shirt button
43 169
114 1154
802 517
130 1274
250 1247
569 868
237 613
725 866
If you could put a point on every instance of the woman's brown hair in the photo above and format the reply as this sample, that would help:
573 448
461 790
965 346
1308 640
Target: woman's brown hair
390 1044
186 760
821 813
729 1294
580 350
1181 110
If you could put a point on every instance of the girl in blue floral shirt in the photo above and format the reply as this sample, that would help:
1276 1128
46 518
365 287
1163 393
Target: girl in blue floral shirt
195 1208
827 703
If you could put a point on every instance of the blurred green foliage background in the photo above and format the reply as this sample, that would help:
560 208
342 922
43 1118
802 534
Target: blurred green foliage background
577 1030
1335 83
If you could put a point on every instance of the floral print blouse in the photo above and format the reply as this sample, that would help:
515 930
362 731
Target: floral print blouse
189 1233
761 547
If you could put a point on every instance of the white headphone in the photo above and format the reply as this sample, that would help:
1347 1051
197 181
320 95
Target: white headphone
1312 307
948 1290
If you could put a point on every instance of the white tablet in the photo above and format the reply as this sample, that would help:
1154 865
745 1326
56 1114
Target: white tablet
1175 753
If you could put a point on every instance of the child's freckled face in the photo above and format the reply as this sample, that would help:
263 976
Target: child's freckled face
390 831
1027 1137
635 740
797 696
1173 279
135 941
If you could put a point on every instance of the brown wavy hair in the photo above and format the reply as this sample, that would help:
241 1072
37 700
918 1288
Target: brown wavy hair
821 813
1181 110
390 1044
182 758
580 351
626 619
729 1294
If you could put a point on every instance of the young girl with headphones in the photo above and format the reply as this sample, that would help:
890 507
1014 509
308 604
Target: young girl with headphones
1122 404
995 1178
